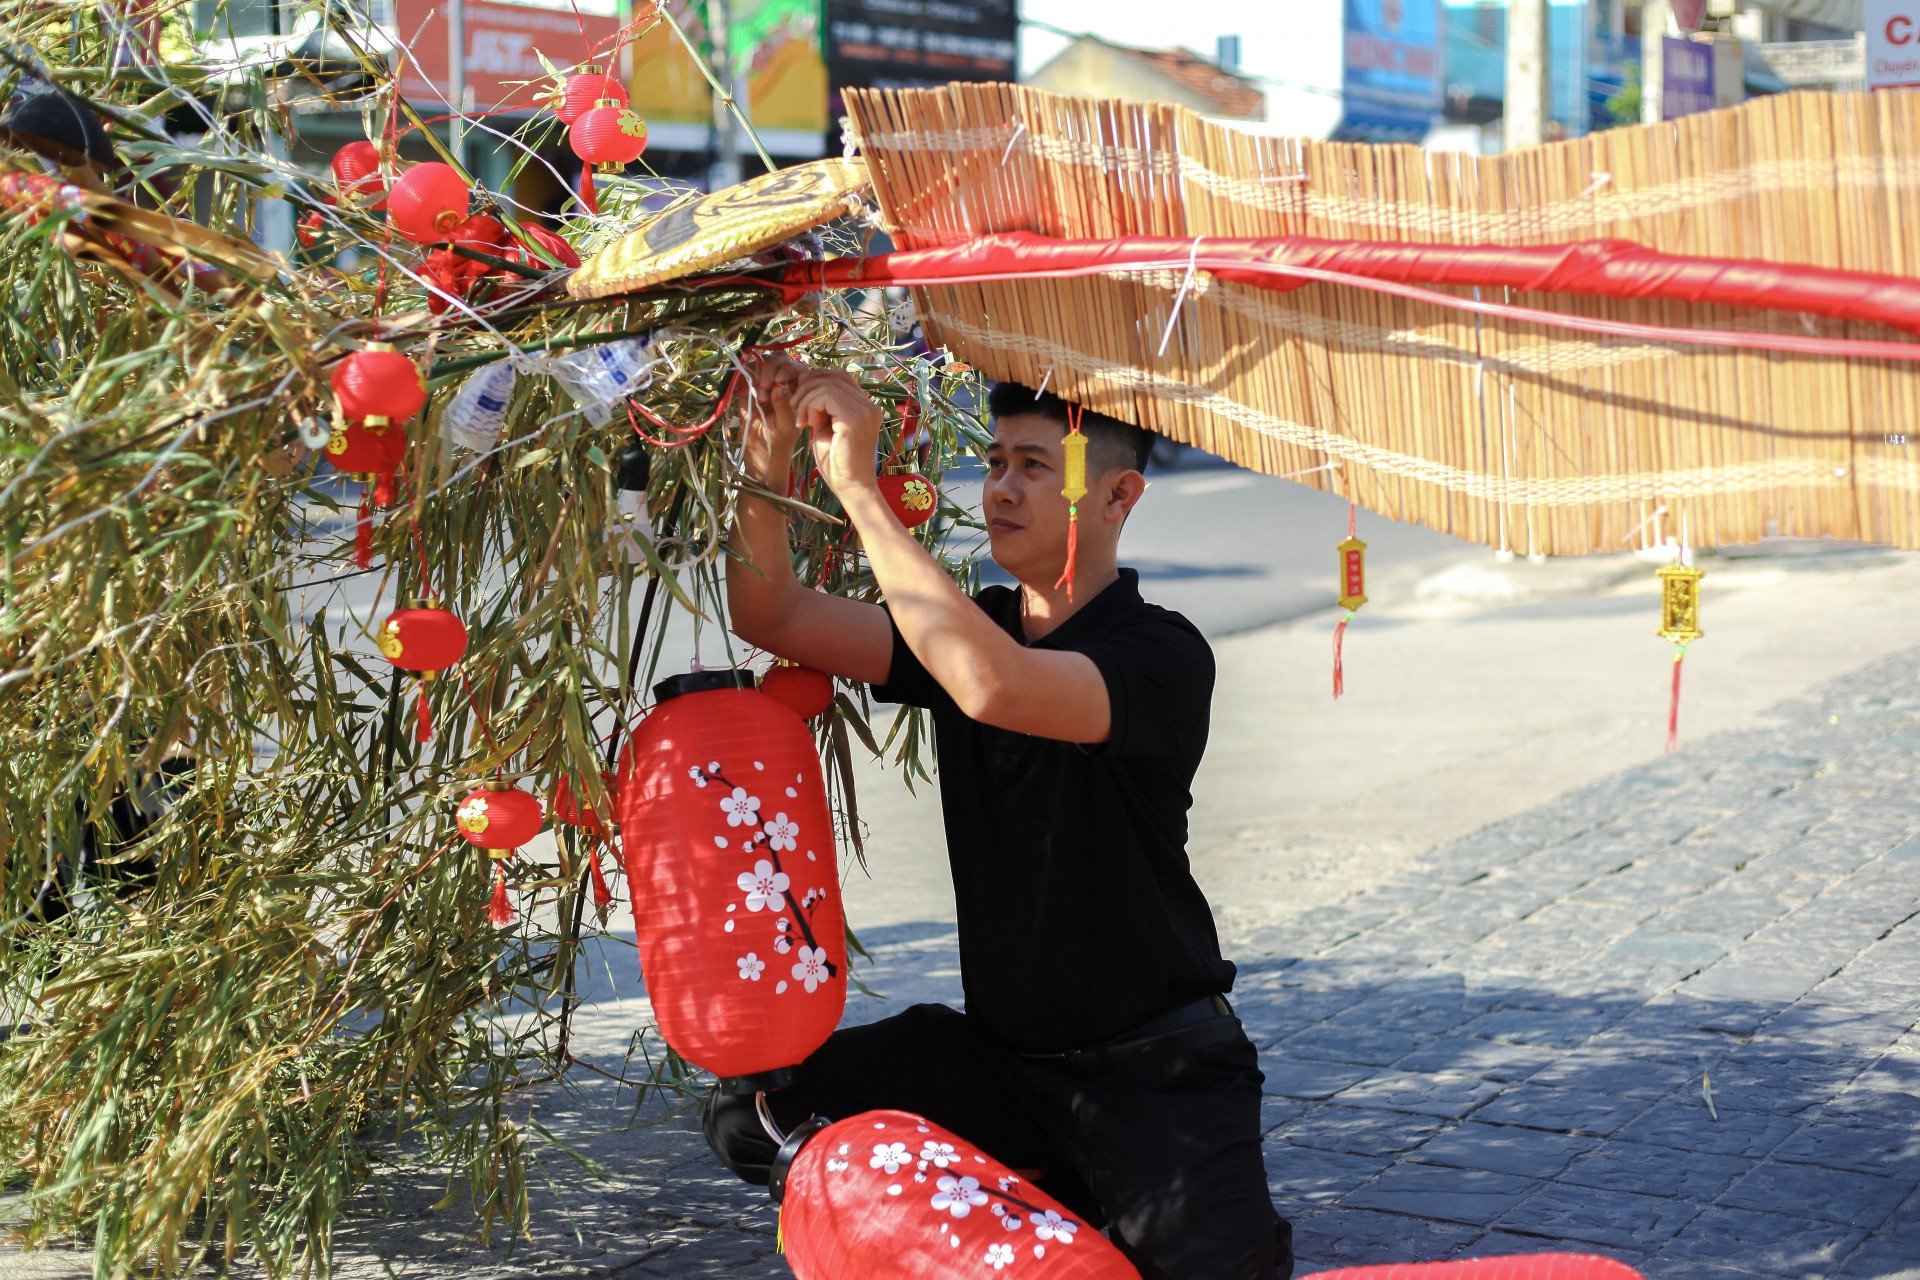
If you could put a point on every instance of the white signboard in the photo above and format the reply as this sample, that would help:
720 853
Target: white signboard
1893 44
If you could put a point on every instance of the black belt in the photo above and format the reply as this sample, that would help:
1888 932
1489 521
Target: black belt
1208 1020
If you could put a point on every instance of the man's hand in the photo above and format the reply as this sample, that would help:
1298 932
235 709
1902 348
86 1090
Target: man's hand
844 423
774 382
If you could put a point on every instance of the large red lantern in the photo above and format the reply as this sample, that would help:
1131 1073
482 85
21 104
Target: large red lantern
356 174
499 818
379 386
731 867
584 90
424 639
885 1195
428 201
609 134
912 497
804 690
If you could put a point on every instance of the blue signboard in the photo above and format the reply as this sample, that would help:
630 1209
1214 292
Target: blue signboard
1686 78
1390 81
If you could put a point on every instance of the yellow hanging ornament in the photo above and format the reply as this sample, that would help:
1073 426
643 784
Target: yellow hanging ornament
1075 447
1353 587
1680 626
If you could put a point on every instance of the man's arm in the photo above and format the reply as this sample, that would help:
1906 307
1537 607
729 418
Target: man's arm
768 605
990 676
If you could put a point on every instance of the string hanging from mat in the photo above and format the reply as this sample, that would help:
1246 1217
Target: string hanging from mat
1075 446
1353 586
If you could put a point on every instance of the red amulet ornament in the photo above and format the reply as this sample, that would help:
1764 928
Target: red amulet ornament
734 880
424 639
378 386
609 134
356 174
585 90
428 202
806 691
911 496
885 1195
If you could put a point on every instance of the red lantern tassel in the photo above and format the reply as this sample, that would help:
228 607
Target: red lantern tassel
1073 552
1339 651
602 895
363 531
500 911
1673 704
423 720
589 198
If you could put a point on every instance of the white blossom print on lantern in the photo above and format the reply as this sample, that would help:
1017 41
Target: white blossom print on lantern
939 1154
890 1157
958 1196
767 889
999 1256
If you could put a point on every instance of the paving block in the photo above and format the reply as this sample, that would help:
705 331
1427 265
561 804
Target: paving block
1555 1029
1306 1078
1780 1246
1620 1219
1685 1123
1733 980
1361 1131
1442 1094
1564 1110
1612 1072
1306 1174
1644 1167
1275 1112
1882 1257
1526 1153
1375 1046
1488 1059
1835 1195
1435 1191
1695 949
1347 1237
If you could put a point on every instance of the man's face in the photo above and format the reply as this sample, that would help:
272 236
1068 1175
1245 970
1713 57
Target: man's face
1021 504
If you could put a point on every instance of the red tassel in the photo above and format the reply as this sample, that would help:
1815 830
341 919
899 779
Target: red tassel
602 895
383 489
1339 663
589 198
500 911
423 721
1673 704
363 532
1073 553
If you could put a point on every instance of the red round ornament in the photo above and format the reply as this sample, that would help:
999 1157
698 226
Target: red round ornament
356 172
556 248
499 819
423 639
912 497
567 808
366 450
379 386
585 90
886 1195
804 690
428 202
608 134
731 868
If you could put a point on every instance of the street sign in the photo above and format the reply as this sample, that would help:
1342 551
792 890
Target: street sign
1686 78
1893 44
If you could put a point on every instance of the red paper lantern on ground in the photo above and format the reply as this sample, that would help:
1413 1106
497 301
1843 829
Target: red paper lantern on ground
356 173
912 497
608 135
1533 1266
428 202
584 90
804 690
734 880
886 1195
499 819
378 386
423 639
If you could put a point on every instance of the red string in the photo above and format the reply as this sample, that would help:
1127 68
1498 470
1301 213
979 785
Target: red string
1673 704
363 530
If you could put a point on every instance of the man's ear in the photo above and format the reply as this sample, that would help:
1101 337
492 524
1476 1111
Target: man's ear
1122 490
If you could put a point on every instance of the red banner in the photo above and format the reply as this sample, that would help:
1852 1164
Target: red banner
502 68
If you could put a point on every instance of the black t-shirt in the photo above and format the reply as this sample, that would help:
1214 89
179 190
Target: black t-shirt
1079 918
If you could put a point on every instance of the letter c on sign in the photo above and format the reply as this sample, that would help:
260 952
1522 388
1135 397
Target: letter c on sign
1900 29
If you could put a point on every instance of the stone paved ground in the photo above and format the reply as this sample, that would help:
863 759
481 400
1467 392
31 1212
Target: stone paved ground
1503 1050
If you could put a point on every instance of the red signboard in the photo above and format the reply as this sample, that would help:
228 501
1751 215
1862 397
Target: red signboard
502 68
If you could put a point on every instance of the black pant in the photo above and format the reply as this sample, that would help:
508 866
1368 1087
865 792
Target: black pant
1163 1146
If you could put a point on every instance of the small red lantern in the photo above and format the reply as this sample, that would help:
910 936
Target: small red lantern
379 386
428 202
886 1195
806 691
734 879
568 810
499 818
372 454
312 224
423 639
608 135
585 89
912 497
356 173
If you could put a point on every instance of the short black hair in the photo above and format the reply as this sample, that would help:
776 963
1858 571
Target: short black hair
1114 444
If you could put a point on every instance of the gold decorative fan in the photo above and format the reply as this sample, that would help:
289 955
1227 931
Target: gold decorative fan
724 225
